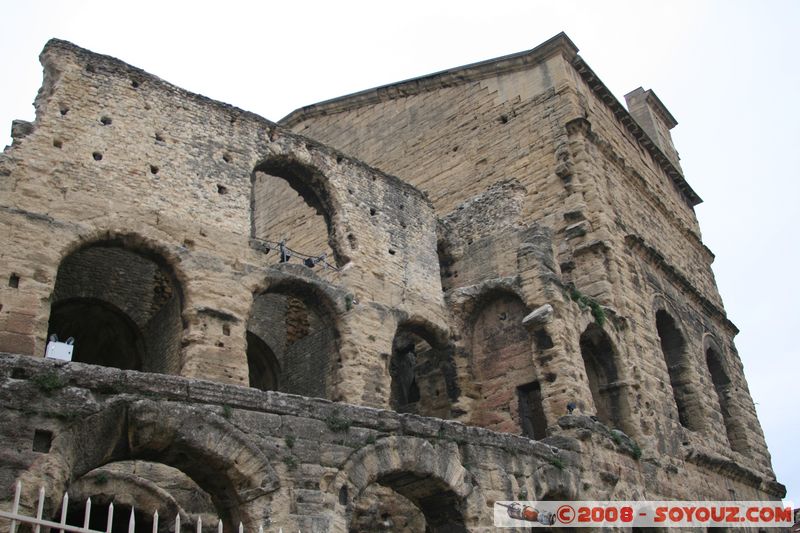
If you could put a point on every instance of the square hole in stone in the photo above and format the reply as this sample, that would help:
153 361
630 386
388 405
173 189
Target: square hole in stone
42 439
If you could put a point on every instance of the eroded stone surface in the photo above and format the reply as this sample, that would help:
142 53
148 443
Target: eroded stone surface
538 249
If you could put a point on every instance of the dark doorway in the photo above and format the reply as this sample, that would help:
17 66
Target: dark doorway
531 411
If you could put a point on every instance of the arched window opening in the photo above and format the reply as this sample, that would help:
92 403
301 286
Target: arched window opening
262 366
673 346
103 334
123 309
422 375
404 501
724 390
502 364
292 344
599 360
289 202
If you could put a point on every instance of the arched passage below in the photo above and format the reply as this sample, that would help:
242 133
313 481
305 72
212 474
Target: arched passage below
430 477
220 459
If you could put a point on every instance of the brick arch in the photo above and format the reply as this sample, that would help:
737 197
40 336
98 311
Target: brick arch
161 248
277 197
429 475
214 454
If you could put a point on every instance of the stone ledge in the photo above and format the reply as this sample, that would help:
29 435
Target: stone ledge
111 381
733 470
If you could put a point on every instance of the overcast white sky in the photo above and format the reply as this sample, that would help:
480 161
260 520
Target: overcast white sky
727 70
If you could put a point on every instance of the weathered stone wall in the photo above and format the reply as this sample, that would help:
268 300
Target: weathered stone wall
267 458
117 156
622 228
561 234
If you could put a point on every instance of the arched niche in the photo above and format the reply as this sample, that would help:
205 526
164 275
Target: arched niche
263 368
600 361
122 304
292 341
291 201
673 349
725 394
502 364
422 373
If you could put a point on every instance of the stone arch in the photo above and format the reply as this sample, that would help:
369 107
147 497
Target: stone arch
430 476
297 322
674 350
122 301
292 200
214 454
725 394
422 370
128 493
608 391
502 363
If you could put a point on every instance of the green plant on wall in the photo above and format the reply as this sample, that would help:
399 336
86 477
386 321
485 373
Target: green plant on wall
585 302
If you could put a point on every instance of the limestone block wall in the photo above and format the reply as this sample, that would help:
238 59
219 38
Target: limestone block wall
118 159
526 293
623 234
637 190
453 135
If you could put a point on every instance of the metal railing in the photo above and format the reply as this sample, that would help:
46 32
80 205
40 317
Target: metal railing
38 522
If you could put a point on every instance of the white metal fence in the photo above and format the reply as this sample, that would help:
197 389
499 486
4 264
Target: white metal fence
38 522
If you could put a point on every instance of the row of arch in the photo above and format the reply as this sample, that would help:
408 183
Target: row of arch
682 369
122 303
233 478
509 386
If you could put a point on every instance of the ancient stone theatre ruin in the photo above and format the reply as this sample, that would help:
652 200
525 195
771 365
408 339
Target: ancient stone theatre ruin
369 316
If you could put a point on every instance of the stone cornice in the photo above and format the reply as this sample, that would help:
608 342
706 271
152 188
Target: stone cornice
583 126
445 78
658 105
619 111
637 243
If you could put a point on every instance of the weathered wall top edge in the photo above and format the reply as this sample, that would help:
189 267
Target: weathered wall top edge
454 76
112 66
164 387
607 97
